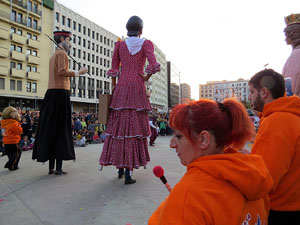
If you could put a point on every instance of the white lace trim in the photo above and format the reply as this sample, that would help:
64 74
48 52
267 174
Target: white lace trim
134 44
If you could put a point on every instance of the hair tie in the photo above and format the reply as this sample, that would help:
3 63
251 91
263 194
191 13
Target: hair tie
221 106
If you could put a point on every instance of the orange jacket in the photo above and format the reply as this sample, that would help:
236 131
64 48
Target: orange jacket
222 189
11 130
278 142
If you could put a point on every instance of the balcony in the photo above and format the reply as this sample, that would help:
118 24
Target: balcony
17 56
4 52
33 59
4 34
33 76
3 70
17 73
33 43
18 38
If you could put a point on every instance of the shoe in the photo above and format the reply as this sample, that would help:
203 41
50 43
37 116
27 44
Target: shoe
151 144
130 181
60 173
51 172
12 169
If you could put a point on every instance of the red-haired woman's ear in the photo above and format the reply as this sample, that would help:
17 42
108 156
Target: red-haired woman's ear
203 139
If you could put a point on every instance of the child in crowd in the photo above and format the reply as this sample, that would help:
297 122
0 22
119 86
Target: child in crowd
25 144
102 136
96 138
11 128
80 139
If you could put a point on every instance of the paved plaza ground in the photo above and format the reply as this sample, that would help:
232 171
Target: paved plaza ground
85 196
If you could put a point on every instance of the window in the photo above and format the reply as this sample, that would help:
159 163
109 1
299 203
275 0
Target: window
79 40
107 52
2 83
29 36
12 30
79 53
19 32
97 48
105 40
108 41
88 56
19 66
108 63
34 52
100 61
112 44
89 45
104 52
97 71
34 87
93 46
74 65
89 32
93 70
34 69
19 49
101 38
29 5
29 22
74 52
63 20
19 18
97 59
97 36
83 55
79 27
74 25
28 68
19 85
12 48
28 86
57 17
69 22
93 34
34 37
84 30
13 15
74 39
12 65
12 85
83 42
34 24
35 8
101 49
93 58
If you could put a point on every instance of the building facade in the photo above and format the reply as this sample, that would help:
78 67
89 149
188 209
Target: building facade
220 90
173 85
92 47
185 93
24 60
158 83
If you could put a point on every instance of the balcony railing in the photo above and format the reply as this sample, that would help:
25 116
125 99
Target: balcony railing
24 5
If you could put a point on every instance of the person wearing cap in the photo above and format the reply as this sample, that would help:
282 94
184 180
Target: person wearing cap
291 68
11 128
54 135
126 145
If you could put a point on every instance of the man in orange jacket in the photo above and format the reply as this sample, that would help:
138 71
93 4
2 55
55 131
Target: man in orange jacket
11 128
278 142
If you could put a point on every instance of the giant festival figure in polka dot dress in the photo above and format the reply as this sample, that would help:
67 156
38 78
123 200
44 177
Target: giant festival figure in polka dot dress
126 145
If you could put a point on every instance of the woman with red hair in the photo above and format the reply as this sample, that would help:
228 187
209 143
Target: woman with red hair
221 185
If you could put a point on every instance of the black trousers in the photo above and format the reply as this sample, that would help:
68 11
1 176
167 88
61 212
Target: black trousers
58 164
284 218
13 152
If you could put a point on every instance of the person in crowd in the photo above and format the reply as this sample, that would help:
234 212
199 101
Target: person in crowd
77 125
81 140
126 145
153 131
291 68
54 140
25 144
221 186
102 136
12 129
278 142
96 138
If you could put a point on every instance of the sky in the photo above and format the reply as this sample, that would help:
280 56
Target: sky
206 40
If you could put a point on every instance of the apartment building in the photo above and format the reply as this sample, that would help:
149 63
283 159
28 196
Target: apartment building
185 93
159 83
24 61
92 47
220 90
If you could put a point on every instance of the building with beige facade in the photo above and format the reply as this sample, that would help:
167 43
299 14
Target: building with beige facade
173 85
92 47
159 83
220 90
24 52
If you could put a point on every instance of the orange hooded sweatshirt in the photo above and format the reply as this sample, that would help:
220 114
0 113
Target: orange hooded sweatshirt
220 189
278 142
11 130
